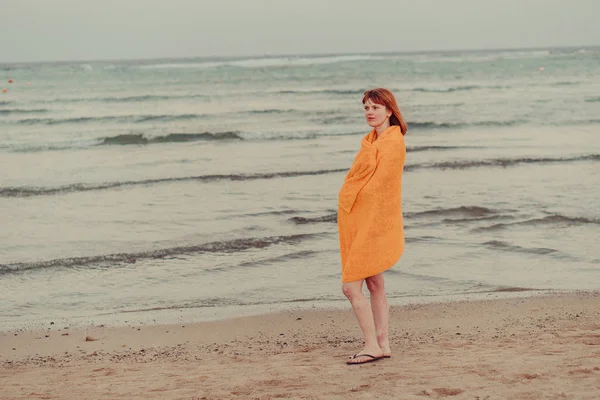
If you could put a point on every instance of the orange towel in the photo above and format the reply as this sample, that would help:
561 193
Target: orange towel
370 222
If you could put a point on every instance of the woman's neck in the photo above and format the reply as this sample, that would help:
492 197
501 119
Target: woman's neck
381 128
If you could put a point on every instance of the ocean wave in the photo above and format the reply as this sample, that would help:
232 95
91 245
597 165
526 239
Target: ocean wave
22 111
341 92
456 88
413 149
308 135
38 148
500 245
323 117
110 118
142 139
502 162
592 100
298 255
152 117
298 61
476 219
181 65
29 191
553 220
123 99
264 62
463 211
259 214
170 138
165 118
566 83
512 289
586 122
229 246
229 301
316 220
268 111
148 97
421 239
456 125
59 121
434 125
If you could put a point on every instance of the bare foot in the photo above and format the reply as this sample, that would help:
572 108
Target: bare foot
366 355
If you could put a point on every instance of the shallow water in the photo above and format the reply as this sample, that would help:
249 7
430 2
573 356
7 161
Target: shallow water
106 209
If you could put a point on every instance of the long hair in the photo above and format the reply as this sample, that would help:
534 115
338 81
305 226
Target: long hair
386 98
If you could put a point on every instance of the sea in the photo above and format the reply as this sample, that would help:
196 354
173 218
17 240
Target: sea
169 190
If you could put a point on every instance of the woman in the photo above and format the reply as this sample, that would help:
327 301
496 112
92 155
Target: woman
370 221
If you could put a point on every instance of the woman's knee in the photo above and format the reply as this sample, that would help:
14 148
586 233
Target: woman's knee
351 290
375 284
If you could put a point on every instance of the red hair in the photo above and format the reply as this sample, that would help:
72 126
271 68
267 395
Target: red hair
386 98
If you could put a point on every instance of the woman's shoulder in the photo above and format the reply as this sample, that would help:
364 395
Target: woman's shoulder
393 142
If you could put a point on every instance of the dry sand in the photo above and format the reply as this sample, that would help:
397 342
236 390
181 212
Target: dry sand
541 347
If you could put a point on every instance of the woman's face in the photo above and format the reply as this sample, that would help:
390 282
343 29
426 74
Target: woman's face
376 114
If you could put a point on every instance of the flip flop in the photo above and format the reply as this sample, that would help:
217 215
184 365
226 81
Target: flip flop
371 359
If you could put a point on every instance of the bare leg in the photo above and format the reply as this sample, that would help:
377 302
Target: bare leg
364 315
381 311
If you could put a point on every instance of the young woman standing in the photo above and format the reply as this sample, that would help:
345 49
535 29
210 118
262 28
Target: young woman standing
370 224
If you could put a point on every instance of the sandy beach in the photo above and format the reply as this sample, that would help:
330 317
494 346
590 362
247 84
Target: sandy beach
540 347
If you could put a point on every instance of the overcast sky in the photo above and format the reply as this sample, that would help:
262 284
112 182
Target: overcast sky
37 30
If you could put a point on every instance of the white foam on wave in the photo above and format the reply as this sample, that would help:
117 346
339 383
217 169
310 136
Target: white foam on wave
267 62
202 65
301 61
484 56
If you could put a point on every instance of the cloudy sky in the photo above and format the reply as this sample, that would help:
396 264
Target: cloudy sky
36 30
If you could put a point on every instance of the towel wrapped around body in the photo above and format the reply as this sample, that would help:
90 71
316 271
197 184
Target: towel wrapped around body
370 224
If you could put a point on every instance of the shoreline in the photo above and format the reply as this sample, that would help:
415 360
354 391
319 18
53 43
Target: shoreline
190 315
533 347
